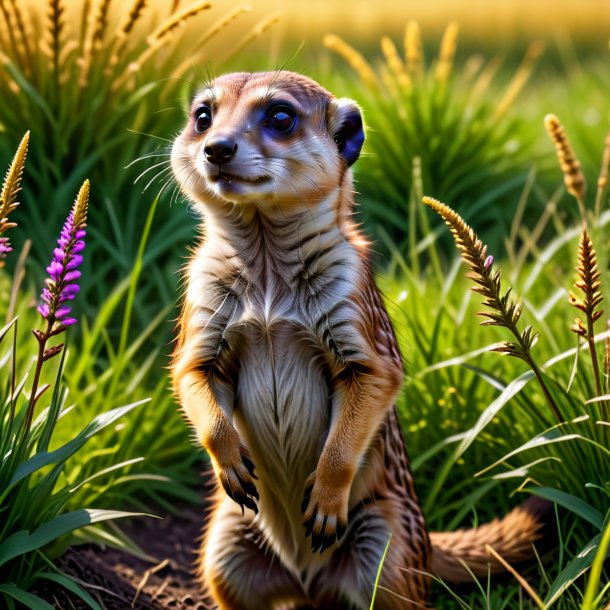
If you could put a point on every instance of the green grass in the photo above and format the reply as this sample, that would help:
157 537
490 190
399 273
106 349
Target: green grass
478 426
40 502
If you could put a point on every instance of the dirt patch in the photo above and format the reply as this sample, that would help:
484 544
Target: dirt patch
120 581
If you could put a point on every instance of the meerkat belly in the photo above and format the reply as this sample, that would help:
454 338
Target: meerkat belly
282 411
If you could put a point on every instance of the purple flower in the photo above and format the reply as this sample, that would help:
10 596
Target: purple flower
5 247
63 271
488 262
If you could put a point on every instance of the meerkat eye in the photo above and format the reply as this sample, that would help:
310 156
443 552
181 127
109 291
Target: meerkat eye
203 119
281 118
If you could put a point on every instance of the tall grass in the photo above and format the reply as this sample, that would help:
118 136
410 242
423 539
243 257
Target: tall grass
38 483
536 422
444 122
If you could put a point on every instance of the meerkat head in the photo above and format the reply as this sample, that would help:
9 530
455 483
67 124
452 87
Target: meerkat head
274 137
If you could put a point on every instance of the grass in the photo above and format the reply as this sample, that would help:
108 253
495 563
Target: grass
548 437
447 123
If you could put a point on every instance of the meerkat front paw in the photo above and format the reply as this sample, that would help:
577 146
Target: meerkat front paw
324 508
235 472
237 482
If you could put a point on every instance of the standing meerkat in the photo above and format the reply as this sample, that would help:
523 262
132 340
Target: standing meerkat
288 368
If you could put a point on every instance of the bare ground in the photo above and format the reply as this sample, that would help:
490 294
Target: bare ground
120 581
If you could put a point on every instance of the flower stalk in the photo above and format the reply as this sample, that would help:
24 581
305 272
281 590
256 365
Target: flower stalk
502 310
589 283
8 196
61 288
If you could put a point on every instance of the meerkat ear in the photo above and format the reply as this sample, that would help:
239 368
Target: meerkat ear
344 121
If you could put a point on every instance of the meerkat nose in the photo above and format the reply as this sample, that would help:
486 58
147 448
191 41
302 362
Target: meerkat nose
220 150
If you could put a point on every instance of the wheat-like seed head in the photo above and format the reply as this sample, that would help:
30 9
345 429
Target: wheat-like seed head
12 184
81 205
414 50
132 17
101 23
177 19
353 58
394 62
446 52
602 181
504 312
258 30
55 28
572 174
588 283
522 75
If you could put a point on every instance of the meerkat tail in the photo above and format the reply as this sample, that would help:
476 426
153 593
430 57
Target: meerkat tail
511 537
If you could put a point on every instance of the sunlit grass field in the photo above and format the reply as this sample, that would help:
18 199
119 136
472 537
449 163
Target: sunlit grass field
454 98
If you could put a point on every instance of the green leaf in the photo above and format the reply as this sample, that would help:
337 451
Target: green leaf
572 503
596 570
41 460
51 530
72 586
33 602
576 568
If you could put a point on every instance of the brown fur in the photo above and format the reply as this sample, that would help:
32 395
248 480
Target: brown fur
288 368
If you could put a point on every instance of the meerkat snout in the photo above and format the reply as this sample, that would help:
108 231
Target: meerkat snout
220 150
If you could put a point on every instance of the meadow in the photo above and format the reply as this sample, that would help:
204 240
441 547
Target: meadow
91 436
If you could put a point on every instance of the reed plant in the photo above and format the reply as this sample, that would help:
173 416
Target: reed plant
38 484
445 119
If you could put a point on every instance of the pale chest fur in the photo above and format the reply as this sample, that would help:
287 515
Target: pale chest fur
274 311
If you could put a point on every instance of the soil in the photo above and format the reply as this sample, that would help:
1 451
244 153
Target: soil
120 581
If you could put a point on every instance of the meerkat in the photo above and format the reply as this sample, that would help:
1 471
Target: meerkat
287 367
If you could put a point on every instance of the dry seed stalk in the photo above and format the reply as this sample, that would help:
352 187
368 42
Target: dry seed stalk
589 283
522 75
414 51
216 27
55 29
24 35
12 184
486 77
126 27
504 312
177 19
8 20
572 174
258 30
101 23
395 63
602 181
446 52
353 58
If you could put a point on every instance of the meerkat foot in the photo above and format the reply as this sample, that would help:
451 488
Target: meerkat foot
239 571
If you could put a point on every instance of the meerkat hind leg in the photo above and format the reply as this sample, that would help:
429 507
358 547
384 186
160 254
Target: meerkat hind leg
347 582
239 571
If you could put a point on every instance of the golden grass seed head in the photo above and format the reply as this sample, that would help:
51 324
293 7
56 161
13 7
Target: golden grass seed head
602 181
355 59
177 19
572 174
446 52
394 62
414 49
12 182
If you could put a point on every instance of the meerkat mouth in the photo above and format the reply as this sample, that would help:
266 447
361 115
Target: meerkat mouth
227 178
